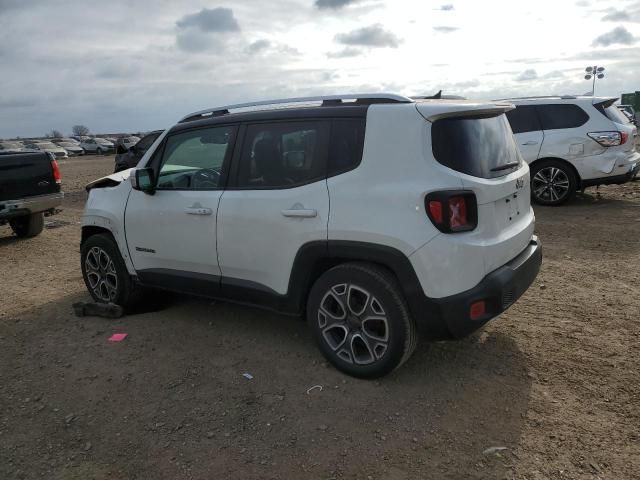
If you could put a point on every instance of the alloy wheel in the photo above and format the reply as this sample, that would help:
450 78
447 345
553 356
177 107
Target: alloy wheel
353 324
550 184
101 274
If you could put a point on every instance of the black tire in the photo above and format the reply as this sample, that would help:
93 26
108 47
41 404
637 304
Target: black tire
27 226
553 182
361 352
105 273
98 151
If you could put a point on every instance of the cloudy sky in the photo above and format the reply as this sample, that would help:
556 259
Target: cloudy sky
137 65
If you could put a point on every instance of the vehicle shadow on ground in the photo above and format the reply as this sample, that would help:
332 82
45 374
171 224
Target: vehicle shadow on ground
171 398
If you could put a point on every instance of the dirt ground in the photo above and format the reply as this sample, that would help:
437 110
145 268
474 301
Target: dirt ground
554 380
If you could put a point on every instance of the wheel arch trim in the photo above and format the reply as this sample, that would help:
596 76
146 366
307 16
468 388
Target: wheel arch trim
95 224
315 258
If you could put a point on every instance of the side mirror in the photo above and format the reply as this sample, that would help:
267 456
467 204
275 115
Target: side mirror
142 179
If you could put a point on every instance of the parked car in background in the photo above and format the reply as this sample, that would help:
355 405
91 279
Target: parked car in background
29 189
129 158
126 142
9 146
572 143
56 150
439 240
630 112
98 146
73 149
66 140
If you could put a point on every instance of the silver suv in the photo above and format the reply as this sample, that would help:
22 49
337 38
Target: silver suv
572 143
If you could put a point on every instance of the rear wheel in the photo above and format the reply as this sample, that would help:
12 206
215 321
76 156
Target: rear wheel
105 273
360 320
27 226
552 182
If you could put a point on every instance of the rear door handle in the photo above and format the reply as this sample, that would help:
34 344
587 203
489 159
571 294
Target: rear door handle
198 211
530 142
300 212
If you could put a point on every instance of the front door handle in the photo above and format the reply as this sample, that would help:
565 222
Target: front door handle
300 212
198 211
530 142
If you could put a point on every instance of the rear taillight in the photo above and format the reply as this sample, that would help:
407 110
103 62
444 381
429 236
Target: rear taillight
56 171
609 139
452 211
624 136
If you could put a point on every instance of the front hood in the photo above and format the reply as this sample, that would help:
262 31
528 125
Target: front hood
110 180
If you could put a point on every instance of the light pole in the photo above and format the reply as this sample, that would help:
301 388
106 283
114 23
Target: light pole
595 72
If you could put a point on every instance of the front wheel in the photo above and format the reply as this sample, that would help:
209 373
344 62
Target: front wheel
552 182
105 273
360 320
98 151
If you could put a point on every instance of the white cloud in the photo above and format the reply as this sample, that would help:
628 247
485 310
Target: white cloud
141 68
618 35
445 29
528 75
374 36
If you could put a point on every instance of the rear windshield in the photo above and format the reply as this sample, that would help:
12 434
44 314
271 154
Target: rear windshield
481 146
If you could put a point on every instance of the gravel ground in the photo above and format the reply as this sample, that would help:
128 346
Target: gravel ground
554 380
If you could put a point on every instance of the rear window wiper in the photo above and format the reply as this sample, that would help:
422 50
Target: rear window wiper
506 166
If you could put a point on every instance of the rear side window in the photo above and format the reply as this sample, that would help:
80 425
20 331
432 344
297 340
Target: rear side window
524 119
283 155
553 117
481 146
347 142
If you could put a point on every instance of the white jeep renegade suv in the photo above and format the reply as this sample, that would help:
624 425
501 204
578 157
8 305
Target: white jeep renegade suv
571 143
377 218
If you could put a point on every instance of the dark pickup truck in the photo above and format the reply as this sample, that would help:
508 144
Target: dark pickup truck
29 190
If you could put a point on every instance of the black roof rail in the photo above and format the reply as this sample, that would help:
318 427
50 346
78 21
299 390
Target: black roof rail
327 100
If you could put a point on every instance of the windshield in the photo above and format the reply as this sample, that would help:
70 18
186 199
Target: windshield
10 145
481 146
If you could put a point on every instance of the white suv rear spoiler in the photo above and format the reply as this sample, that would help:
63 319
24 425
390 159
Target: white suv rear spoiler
432 110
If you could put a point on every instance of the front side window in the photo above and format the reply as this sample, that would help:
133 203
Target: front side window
524 119
281 155
556 116
194 160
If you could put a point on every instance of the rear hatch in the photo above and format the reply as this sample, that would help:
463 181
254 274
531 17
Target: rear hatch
620 123
25 175
478 144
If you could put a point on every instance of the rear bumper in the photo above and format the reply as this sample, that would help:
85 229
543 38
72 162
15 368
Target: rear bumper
615 179
29 205
449 317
